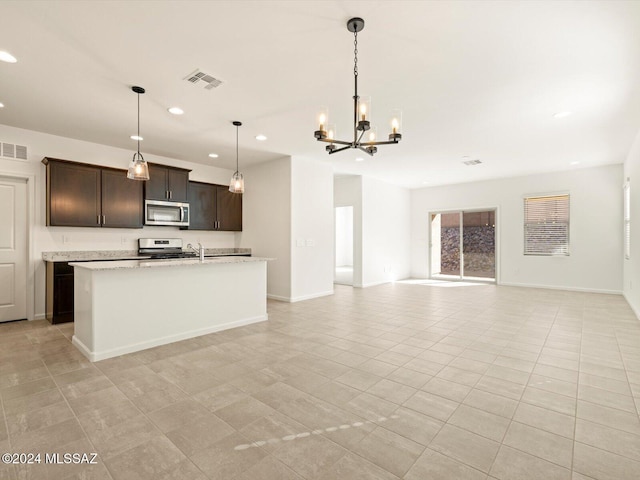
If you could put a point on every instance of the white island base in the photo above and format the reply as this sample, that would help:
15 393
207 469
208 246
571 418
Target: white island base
131 305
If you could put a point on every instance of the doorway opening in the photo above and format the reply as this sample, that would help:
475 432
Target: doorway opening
463 245
344 246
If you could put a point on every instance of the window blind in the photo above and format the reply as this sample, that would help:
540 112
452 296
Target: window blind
546 225
627 221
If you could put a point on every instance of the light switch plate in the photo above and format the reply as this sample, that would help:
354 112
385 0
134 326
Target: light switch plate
311 242
300 242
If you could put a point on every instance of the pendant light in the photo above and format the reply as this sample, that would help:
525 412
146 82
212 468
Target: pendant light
237 181
138 168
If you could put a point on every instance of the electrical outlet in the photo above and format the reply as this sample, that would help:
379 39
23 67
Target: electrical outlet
66 239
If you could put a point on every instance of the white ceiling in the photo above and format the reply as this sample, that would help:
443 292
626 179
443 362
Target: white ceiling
480 79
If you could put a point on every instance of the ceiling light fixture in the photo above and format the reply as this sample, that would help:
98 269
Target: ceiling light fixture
213 155
575 163
136 137
1 105
361 113
261 137
237 180
175 111
359 159
138 169
561 114
7 57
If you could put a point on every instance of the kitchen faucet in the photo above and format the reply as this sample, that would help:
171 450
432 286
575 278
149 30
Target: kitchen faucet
199 250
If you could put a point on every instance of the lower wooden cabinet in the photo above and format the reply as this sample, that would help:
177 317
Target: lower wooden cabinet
214 207
59 297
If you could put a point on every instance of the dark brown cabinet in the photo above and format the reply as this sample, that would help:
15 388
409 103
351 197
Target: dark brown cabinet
214 207
228 209
59 297
166 183
80 195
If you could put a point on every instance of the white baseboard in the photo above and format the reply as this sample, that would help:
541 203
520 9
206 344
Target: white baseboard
633 309
39 316
136 347
555 287
301 298
278 297
367 285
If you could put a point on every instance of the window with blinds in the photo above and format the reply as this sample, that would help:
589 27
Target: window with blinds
546 225
627 221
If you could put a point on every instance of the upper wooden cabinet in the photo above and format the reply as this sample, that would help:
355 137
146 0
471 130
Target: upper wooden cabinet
228 209
80 195
166 183
214 207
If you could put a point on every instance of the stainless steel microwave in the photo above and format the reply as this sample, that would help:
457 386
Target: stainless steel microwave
157 212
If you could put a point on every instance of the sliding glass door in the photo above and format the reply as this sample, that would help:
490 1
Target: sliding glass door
463 245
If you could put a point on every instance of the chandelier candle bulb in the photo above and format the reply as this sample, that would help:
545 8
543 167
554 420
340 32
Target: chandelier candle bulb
396 125
323 119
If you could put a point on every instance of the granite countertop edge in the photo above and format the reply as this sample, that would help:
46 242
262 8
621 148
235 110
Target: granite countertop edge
100 255
134 264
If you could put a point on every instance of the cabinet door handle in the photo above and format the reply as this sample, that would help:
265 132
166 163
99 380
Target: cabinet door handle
98 219
170 194
104 219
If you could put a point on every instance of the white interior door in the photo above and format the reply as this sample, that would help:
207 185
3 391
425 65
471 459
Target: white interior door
13 249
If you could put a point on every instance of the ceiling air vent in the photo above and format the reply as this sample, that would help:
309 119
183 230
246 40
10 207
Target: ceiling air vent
472 162
208 81
18 152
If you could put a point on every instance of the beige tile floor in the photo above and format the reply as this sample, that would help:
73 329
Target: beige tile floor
396 381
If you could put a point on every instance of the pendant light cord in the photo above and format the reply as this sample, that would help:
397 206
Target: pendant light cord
237 129
139 124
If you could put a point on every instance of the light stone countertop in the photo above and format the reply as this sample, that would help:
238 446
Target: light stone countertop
83 256
191 262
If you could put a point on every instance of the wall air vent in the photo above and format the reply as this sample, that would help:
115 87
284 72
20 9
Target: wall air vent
208 81
472 162
17 152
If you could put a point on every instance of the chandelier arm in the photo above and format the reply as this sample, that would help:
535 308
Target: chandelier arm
366 151
339 142
390 142
339 149
360 138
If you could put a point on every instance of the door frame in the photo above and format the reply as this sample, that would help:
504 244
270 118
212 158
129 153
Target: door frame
31 260
497 230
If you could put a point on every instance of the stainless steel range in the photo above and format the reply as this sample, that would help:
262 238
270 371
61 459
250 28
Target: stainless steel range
163 248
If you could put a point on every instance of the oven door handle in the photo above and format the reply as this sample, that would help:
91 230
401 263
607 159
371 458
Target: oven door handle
181 214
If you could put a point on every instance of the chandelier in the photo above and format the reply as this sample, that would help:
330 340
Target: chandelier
361 114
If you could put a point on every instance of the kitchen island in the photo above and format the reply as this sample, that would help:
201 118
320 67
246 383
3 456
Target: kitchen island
131 305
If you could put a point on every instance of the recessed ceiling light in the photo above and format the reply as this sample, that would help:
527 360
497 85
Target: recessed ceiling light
175 111
7 57
213 155
136 137
425 183
1 105
561 114
574 163
261 137
359 159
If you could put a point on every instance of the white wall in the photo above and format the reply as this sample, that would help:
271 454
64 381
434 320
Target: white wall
267 221
312 229
595 263
45 238
347 191
386 227
631 283
344 236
